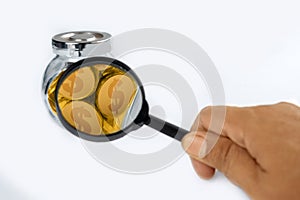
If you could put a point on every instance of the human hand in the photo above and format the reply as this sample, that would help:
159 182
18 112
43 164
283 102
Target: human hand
258 149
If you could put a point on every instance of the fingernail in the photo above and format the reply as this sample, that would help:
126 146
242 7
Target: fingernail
194 145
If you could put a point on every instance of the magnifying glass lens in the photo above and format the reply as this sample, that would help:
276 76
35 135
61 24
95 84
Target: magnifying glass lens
98 99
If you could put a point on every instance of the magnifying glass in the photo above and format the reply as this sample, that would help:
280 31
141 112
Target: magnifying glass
101 99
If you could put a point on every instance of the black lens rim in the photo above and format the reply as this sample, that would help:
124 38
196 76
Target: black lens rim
138 122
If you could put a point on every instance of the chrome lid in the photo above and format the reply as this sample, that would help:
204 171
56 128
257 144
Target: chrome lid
81 43
78 39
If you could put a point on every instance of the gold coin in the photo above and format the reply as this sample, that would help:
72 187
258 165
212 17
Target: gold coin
111 71
79 85
115 95
51 94
100 67
110 126
83 117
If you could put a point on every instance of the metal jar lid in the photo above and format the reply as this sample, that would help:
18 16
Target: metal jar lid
80 41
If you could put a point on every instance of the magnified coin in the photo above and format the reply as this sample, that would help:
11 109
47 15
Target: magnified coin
79 84
115 95
83 116
100 67
110 125
111 71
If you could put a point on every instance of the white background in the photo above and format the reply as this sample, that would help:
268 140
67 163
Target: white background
255 46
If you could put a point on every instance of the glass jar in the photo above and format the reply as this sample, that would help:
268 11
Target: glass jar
69 48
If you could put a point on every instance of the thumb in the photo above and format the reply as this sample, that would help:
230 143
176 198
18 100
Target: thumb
226 156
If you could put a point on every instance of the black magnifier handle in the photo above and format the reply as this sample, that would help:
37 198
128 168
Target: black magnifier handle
165 127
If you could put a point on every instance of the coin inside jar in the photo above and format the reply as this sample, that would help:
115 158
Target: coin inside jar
51 94
103 107
83 116
115 95
79 85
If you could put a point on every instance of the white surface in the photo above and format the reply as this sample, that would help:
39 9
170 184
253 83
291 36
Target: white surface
255 46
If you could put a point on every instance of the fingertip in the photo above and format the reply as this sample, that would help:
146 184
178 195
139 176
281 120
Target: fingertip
203 171
194 144
188 139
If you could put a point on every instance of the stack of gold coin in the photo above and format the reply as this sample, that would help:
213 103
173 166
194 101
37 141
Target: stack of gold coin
113 93
51 94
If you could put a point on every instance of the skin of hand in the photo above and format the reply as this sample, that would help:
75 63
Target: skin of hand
258 149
